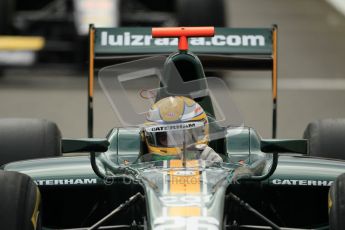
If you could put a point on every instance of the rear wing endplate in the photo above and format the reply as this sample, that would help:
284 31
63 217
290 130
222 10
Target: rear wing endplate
230 48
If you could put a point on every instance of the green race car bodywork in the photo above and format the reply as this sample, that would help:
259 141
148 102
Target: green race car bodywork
298 188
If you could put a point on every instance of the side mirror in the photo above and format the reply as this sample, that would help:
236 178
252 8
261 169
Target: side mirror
84 145
284 146
277 146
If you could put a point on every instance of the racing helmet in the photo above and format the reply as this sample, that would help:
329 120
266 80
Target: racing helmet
173 123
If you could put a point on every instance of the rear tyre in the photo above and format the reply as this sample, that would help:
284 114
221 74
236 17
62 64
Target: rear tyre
336 204
19 202
22 139
201 13
326 138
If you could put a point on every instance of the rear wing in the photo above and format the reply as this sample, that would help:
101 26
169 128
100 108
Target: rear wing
230 48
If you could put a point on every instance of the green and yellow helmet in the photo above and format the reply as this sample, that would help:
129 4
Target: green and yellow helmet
172 122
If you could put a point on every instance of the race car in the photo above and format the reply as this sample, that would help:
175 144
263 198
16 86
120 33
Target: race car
150 173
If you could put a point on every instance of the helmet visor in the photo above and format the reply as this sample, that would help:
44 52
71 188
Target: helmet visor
175 135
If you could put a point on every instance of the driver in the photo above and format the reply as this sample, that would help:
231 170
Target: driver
177 125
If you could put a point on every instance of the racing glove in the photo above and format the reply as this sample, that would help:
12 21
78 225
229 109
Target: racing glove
245 172
208 154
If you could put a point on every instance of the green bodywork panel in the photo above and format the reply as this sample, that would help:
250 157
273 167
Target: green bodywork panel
138 40
59 171
125 143
308 171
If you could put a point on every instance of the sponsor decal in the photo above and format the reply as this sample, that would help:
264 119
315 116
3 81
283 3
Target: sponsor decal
188 200
184 173
139 40
301 182
182 126
66 182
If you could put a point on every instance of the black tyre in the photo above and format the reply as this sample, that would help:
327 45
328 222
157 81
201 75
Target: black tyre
326 138
336 204
22 139
200 13
19 202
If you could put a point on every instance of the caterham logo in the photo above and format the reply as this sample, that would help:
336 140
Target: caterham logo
182 126
172 127
302 182
66 182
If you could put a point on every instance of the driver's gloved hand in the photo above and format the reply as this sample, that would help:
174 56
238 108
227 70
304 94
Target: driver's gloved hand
208 154
246 172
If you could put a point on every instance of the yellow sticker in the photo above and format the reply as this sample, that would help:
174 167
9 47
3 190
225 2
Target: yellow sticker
330 203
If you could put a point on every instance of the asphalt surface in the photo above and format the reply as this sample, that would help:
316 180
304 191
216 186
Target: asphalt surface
311 69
